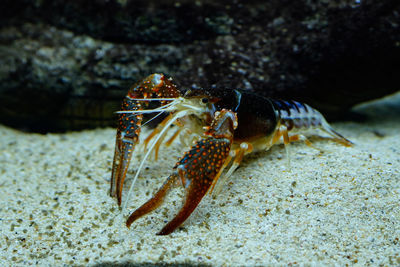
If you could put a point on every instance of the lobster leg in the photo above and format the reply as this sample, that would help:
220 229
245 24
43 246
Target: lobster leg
197 170
300 137
154 133
130 121
282 133
238 156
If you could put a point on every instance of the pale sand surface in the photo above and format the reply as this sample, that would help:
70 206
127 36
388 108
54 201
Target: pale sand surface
337 207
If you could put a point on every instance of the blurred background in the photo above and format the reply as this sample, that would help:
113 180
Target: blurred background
66 65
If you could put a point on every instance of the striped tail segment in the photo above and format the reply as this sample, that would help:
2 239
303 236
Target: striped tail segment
298 116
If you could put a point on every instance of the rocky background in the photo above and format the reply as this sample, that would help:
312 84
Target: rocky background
65 65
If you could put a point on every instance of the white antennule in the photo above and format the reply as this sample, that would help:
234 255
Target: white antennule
151 99
162 132
167 107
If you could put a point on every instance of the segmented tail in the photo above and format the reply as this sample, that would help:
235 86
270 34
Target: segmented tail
297 116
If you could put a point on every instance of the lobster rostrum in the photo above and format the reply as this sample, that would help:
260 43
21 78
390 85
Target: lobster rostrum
223 126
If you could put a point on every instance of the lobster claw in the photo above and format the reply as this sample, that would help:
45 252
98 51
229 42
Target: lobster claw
127 136
129 124
197 171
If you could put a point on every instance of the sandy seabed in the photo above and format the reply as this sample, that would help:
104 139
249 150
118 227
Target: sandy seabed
336 207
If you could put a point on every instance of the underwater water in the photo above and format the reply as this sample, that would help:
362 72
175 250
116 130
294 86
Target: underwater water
66 65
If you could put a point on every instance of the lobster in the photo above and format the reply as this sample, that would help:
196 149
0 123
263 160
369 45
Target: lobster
223 125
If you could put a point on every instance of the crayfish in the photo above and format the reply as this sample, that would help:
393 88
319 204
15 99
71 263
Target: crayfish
223 126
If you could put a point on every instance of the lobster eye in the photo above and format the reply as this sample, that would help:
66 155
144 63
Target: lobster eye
204 100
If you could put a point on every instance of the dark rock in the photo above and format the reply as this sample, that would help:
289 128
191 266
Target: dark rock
67 64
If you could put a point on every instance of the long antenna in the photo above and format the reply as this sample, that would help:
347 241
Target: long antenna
177 115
